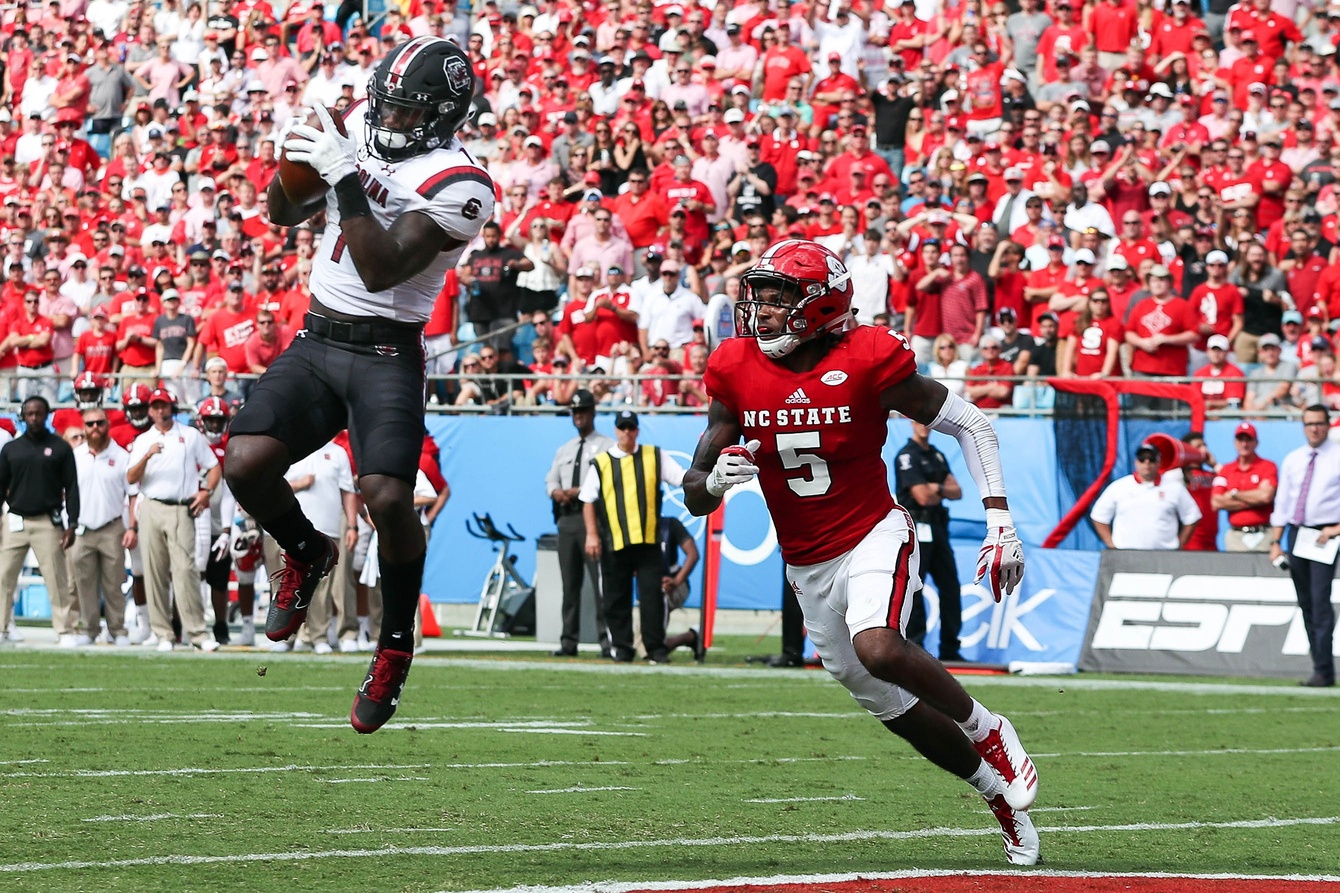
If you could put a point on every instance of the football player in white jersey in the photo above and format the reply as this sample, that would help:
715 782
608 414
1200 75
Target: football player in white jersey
404 200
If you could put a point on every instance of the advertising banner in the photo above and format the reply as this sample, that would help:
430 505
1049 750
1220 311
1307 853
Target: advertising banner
1201 613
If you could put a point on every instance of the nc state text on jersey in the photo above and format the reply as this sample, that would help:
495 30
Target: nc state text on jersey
797 418
373 187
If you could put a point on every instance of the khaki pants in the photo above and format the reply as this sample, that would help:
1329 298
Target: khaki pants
1234 541
43 537
167 541
98 558
138 375
1245 347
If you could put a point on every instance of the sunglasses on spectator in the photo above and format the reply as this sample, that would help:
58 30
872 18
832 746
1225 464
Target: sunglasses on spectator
96 423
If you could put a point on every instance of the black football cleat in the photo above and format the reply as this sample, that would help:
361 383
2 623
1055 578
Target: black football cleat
379 694
294 584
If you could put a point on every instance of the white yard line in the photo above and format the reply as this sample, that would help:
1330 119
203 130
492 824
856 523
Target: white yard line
386 830
158 817
486 849
377 778
844 797
198 770
1009 879
581 790
1060 809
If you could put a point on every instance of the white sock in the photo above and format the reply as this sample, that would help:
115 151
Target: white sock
979 723
986 781
365 625
248 623
142 615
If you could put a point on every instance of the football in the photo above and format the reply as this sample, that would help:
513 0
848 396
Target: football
301 183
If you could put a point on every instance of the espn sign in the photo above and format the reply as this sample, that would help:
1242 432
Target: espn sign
1195 612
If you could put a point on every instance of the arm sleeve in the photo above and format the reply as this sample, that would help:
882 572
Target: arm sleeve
977 439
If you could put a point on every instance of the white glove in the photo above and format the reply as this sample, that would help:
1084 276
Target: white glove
734 466
220 548
331 155
1001 561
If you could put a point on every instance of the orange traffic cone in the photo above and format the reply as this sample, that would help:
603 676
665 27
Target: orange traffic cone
429 620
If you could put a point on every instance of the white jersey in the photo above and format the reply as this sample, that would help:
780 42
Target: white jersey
446 184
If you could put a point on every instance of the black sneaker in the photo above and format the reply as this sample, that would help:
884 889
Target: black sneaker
785 661
294 584
221 633
379 694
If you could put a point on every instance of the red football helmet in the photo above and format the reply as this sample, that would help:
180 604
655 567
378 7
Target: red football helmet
214 413
806 279
88 389
136 400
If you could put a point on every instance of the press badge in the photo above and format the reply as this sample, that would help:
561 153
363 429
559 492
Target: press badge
15 522
924 534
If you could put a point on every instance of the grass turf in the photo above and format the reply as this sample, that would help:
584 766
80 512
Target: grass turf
543 771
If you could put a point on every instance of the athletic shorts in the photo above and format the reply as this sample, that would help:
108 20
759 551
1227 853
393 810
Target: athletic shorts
870 587
317 388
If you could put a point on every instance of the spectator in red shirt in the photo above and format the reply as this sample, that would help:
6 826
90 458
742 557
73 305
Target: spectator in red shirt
1245 488
30 339
1159 328
1093 347
226 331
136 347
1220 394
266 343
95 351
984 387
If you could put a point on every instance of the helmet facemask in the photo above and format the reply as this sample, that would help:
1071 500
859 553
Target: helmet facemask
400 128
759 289
88 398
214 426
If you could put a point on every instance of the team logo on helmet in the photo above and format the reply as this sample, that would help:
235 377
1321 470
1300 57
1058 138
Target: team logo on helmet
458 74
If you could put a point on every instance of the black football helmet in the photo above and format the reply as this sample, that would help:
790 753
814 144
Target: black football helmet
419 96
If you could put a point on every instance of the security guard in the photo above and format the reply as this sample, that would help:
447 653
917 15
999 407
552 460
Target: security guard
623 489
924 483
563 483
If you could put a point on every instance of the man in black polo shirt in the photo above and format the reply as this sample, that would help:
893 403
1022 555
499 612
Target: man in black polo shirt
924 484
37 479
493 293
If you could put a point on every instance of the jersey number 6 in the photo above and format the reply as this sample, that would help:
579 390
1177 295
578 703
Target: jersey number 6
789 451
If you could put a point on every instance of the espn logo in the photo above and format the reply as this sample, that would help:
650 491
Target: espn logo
1198 613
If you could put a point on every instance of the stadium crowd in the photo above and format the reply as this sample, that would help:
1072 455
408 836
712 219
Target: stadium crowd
1102 189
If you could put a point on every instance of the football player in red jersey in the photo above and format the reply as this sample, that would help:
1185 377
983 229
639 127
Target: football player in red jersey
89 390
811 392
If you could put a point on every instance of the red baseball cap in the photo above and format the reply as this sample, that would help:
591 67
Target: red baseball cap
1246 428
162 395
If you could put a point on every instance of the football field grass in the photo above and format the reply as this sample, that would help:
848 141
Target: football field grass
144 772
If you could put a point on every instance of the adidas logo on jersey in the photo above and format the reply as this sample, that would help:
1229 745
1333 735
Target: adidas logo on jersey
798 396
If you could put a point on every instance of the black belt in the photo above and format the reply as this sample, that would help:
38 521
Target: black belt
407 335
1255 528
171 501
43 366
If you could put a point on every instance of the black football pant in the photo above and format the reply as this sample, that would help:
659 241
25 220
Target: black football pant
937 562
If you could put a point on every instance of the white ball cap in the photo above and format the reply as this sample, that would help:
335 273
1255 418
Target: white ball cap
1216 257
1217 341
1085 256
733 116
1160 188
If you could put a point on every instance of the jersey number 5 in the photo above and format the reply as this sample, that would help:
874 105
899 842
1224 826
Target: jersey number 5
789 451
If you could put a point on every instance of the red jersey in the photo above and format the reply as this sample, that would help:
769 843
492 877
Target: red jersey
1216 306
822 434
1152 318
226 334
1200 484
1213 387
990 373
98 351
581 328
1234 476
1091 345
125 433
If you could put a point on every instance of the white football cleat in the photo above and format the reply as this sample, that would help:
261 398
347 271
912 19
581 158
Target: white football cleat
139 635
208 646
348 646
1022 846
121 641
164 646
14 634
280 647
82 641
322 648
1003 752
247 636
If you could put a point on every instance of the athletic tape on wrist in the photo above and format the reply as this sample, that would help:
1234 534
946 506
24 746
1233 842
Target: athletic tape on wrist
351 199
